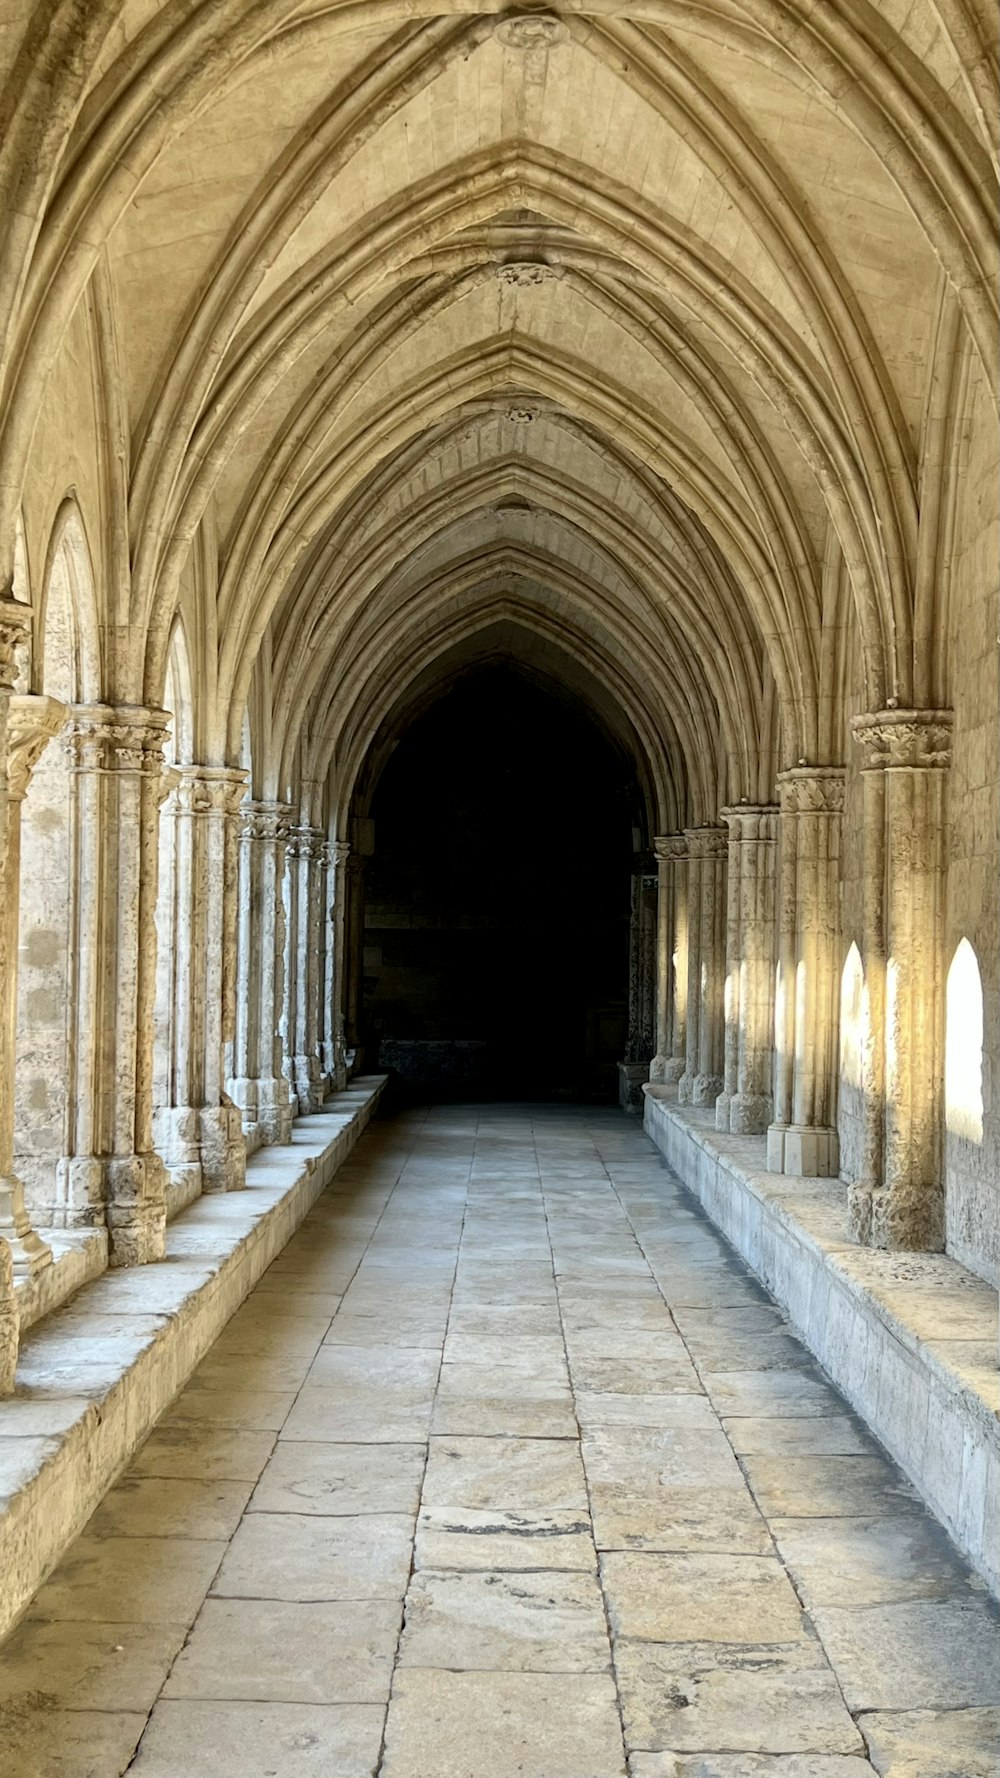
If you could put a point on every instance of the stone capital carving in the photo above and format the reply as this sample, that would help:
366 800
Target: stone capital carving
706 842
812 790
31 724
751 823
308 843
209 790
530 30
15 627
670 848
905 740
270 822
107 738
340 852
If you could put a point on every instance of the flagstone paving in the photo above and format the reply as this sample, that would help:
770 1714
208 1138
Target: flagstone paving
508 1468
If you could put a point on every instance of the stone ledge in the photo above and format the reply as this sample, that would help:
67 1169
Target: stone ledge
78 1256
94 1378
909 1338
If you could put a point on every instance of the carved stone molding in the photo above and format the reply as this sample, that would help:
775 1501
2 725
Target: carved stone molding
524 274
208 790
812 790
752 823
270 822
308 843
104 738
32 722
531 30
905 740
15 627
670 848
705 842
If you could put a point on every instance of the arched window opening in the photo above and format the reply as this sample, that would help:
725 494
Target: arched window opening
963 1064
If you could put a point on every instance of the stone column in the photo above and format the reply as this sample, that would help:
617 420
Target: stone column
692 1013
15 625
802 1139
119 760
707 845
259 1086
731 988
339 855
753 835
204 1127
640 1040
900 1202
31 724
672 971
355 952
303 859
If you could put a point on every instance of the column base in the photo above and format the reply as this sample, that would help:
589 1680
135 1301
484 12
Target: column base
666 1070
907 1218
135 1208
802 1152
685 1087
749 1114
705 1089
722 1104
265 1106
304 1080
79 1192
631 1076
223 1149
29 1253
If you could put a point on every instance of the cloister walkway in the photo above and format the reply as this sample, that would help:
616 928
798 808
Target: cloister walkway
506 1469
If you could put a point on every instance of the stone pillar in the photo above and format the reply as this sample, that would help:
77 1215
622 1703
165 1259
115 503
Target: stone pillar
802 1139
119 761
203 1127
672 961
15 624
355 952
339 855
259 1086
692 1012
707 849
747 1100
30 726
640 1041
300 1026
731 987
899 1203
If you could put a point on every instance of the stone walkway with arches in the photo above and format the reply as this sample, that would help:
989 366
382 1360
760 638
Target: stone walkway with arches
508 1468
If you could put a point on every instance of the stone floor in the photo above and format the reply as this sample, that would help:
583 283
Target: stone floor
506 1469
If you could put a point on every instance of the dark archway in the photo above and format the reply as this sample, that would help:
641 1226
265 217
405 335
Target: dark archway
497 897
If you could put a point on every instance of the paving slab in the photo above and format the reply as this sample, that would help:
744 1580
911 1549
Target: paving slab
502 1725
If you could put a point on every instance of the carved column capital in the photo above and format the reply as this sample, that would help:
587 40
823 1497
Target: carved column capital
31 724
209 790
107 739
905 740
670 848
265 821
705 842
751 823
15 628
307 843
812 790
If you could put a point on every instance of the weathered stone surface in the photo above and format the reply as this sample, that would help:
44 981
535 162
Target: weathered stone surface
514 1622
302 1557
710 1598
492 1474
778 1698
459 1537
563 1724
936 1743
942 1653
295 1653
330 1479
253 1740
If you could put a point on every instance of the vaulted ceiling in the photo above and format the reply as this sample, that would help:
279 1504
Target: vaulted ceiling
623 334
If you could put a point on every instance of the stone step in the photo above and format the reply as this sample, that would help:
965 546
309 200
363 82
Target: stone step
94 1377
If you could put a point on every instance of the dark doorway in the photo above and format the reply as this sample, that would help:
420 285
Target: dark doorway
497 898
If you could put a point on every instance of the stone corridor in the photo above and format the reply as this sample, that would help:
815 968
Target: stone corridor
507 1469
